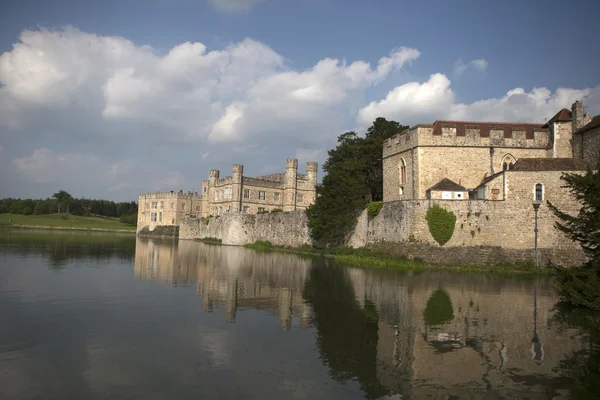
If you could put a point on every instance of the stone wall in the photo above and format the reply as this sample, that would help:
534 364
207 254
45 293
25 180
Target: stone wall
479 223
586 145
160 231
281 229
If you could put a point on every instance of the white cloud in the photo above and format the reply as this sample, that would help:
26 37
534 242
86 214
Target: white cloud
479 64
192 93
205 155
45 166
434 99
460 67
233 5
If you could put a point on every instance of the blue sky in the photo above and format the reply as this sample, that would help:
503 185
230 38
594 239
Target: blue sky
113 126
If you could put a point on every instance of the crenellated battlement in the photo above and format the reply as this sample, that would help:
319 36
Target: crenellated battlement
223 181
170 195
263 182
470 134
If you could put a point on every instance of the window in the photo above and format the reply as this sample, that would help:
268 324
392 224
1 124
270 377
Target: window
183 207
197 208
162 204
228 209
539 192
153 217
154 204
300 198
246 209
246 193
276 196
228 193
261 209
172 221
507 162
402 171
220 195
159 217
216 195
446 195
261 195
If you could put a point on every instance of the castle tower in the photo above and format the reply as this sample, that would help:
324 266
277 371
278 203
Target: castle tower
577 114
213 176
289 191
285 309
312 168
236 187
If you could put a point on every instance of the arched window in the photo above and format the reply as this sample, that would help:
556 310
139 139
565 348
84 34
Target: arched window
507 162
539 192
402 171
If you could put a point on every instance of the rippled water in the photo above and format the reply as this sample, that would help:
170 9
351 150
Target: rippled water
96 316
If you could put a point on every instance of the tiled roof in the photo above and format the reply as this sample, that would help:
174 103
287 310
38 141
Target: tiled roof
489 178
447 185
594 123
549 164
563 115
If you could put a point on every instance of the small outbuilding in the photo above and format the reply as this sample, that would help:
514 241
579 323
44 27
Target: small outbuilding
447 190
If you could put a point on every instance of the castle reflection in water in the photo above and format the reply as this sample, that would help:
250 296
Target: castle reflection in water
428 335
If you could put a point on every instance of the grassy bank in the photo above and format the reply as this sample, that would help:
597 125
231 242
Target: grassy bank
366 258
74 222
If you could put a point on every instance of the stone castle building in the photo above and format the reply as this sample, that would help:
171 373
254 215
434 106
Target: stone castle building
287 191
489 174
450 159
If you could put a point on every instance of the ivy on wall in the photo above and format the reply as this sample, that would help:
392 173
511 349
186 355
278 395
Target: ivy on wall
374 208
441 224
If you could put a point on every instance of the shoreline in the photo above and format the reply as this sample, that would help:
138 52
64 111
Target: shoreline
368 259
67 228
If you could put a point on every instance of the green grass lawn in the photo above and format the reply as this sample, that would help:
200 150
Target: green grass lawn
73 222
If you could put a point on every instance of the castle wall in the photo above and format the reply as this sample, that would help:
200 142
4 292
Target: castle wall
465 166
281 229
169 208
563 133
508 224
586 145
463 157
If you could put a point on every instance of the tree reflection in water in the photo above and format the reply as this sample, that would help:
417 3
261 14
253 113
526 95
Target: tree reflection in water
346 334
582 367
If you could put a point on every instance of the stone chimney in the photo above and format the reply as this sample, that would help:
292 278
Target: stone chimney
577 114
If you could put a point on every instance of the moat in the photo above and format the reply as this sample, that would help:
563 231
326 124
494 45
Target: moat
107 316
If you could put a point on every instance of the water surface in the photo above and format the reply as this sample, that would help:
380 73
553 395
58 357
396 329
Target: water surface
100 316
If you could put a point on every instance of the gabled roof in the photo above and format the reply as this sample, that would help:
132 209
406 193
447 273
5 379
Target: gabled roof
563 115
447 185
594 123
549 164
489 178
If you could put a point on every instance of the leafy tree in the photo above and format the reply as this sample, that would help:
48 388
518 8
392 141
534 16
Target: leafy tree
581 286
353 178
63 199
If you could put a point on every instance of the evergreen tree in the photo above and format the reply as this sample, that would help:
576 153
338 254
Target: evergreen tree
353 178
581 286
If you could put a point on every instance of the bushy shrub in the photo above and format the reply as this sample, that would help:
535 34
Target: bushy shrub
128 219
373 208
276 210
441 224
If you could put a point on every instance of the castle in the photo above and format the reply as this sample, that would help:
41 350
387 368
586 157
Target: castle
287 191
475 160
496 177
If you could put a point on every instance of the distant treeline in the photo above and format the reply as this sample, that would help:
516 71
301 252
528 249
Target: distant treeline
62 202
